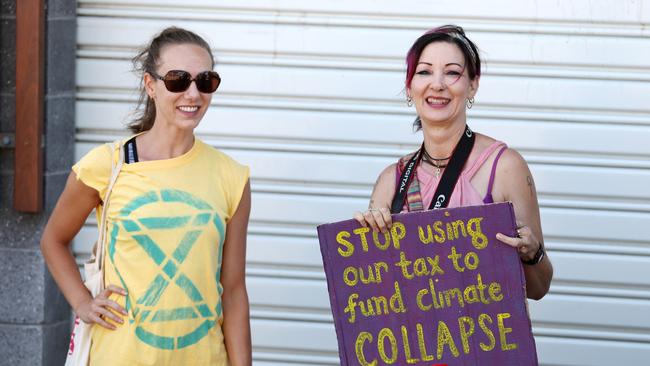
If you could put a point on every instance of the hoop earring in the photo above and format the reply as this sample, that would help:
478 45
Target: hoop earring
469 103
409 101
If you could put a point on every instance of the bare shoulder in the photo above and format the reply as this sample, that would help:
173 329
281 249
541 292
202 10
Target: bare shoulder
387 176
512 162
389 170
513 178
483 141
511 159
382 192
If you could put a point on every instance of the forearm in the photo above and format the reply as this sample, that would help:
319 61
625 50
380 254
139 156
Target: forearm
236 326
65 272
538 278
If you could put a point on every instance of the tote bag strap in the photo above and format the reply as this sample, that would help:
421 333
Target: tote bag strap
115 171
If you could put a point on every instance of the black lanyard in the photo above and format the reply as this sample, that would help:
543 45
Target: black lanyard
449 177
130 151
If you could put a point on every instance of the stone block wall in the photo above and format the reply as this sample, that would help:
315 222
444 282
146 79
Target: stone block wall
34 316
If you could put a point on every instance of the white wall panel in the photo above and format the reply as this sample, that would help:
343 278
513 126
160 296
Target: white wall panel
370 86
312 101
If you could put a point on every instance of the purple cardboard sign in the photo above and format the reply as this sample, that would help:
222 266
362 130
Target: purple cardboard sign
437 289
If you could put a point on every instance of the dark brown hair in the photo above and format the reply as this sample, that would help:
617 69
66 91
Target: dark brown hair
147 60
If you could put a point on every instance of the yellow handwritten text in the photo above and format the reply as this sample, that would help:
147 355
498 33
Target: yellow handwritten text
443 339
428 297
441 232
352 274
388 239
375 305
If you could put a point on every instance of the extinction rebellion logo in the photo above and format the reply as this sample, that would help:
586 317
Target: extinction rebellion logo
145 231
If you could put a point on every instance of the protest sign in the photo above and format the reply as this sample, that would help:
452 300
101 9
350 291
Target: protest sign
438 288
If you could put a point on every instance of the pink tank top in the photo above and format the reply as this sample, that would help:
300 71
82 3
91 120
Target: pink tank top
464 193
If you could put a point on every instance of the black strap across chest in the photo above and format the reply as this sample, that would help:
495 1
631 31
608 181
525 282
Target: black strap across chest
130 151
449 177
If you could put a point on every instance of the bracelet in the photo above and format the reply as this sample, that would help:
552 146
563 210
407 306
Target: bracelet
539 256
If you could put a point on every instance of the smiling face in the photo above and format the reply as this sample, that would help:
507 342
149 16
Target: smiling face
182 110
441 85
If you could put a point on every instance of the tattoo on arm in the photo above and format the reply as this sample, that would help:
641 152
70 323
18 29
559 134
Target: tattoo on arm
531 185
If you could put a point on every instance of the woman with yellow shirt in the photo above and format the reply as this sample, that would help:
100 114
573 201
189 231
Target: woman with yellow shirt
176 226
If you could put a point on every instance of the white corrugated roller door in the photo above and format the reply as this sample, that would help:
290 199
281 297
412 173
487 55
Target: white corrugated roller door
312 101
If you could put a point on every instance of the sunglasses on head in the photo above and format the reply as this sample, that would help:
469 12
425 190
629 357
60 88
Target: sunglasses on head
177 81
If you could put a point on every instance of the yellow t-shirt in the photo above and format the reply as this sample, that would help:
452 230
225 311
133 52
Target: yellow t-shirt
165 234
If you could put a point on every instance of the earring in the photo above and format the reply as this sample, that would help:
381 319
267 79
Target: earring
469 103
409 101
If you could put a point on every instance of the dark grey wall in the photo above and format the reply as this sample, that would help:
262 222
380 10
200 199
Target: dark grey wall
34 316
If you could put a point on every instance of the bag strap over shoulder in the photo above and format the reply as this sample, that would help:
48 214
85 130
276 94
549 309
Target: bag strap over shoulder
116 166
